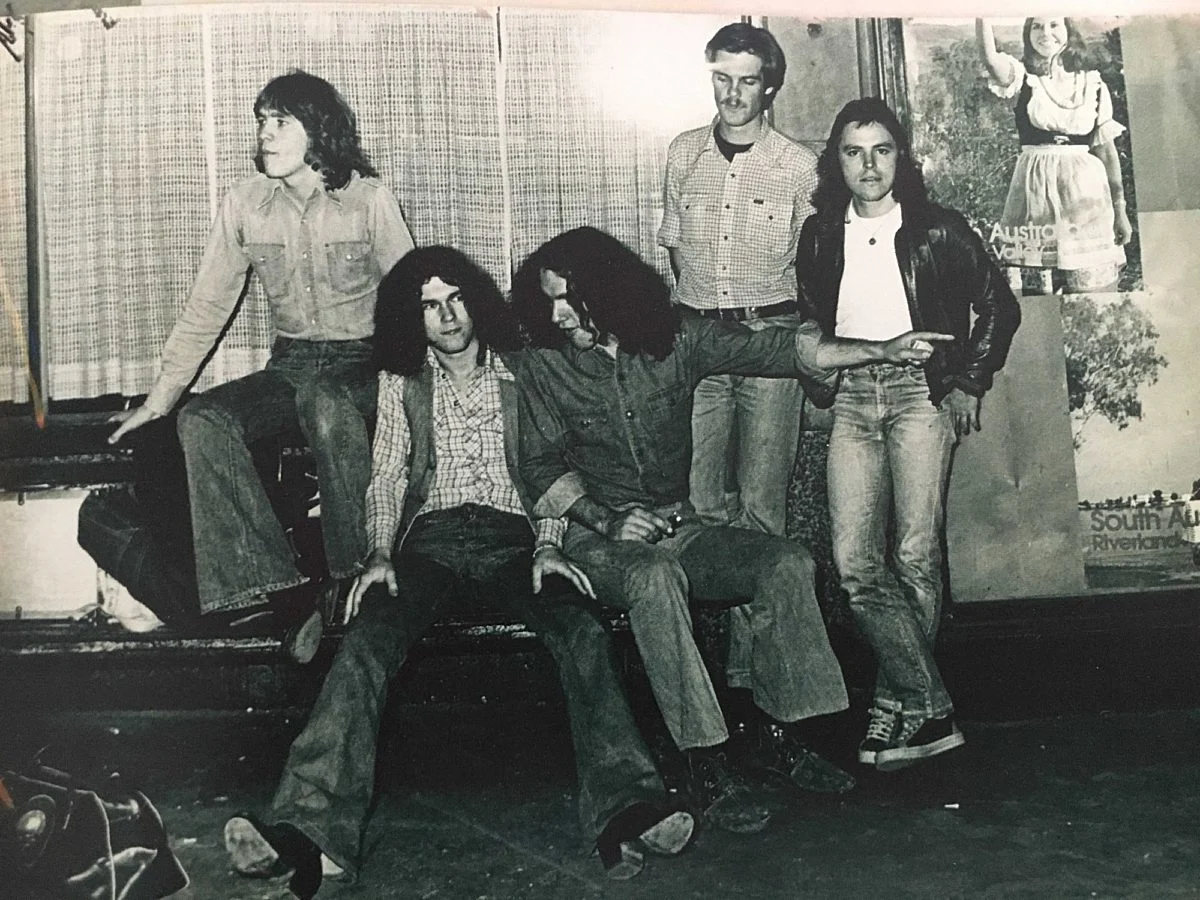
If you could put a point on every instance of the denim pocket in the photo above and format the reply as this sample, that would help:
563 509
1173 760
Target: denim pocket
351 266
270 265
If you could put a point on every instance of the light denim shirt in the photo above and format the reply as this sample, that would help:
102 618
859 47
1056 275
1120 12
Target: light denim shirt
319 266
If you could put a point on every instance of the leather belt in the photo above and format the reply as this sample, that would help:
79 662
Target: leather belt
742 313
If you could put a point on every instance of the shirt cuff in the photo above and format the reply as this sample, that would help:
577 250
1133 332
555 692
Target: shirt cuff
560 496
549 532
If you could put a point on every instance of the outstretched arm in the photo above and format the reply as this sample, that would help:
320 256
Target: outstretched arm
910 348
998 66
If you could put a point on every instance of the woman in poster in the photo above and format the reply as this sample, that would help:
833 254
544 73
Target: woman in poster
1065 210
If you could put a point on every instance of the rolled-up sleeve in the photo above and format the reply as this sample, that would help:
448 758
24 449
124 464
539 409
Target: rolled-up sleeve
542 462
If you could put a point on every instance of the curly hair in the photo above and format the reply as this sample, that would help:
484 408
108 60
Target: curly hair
608 285
328 120
832 195
741 37
400 341
1073 56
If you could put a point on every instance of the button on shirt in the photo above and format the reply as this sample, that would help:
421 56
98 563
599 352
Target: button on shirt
468 435
319 265
619 430
735 225
872 304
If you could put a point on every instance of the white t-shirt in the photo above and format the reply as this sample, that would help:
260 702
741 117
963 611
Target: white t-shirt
872 305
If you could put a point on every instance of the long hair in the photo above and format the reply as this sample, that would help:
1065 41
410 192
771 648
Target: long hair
832 195
741 37
609 286
328 120
400 341
1073 56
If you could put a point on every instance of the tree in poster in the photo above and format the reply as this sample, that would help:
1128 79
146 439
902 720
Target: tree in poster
1111 353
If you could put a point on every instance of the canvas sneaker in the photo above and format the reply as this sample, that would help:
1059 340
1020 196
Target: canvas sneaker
882 725
917 739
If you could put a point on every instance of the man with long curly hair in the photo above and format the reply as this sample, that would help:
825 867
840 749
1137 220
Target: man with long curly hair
450 525
606 405
319 230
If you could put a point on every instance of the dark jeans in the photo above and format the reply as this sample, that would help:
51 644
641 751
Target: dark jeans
449 557
327 389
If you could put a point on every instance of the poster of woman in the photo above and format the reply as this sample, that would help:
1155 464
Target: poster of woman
1023 125
1066 208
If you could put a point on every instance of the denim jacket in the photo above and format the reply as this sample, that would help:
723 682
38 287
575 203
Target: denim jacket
319 267
620 430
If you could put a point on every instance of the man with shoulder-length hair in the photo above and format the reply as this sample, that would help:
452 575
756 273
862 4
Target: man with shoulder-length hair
736 193
319 230
450 526
606 408
877 260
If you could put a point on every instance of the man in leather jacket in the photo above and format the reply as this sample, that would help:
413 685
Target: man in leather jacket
876 260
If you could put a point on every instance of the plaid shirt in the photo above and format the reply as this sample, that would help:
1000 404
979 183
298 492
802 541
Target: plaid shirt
469 446
735 225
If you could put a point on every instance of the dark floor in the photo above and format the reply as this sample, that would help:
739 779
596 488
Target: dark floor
478 803
1080 777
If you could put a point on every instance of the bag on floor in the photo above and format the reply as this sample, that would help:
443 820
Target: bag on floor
61 839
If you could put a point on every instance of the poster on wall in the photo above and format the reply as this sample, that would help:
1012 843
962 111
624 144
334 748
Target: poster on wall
1022 125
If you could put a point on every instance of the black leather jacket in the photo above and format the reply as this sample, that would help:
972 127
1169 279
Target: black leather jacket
947 273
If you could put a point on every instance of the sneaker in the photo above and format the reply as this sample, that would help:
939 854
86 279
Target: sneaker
723 796
882 725
783 756
918 739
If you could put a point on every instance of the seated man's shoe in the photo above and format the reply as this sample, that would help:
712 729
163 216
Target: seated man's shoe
302 639
722 796
783 756
637 829
258 850
882 725
919 738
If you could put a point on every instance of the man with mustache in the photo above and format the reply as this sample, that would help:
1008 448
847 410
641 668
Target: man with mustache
735 196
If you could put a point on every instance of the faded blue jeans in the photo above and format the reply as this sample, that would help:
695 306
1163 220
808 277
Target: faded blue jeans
889 454
454 557
328 389
790 668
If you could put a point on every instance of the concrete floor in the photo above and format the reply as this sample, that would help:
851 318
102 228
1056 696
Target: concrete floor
477 801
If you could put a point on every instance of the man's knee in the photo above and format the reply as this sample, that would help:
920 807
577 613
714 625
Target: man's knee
205 415
781 558
656 579
324 408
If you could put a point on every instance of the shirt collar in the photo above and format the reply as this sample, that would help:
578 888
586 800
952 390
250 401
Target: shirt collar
492 362
769 144
275 186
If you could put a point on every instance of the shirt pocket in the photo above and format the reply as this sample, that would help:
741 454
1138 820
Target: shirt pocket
271 266
352 268
769 226
693 219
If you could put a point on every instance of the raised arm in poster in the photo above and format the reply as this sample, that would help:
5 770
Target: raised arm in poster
1065 210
